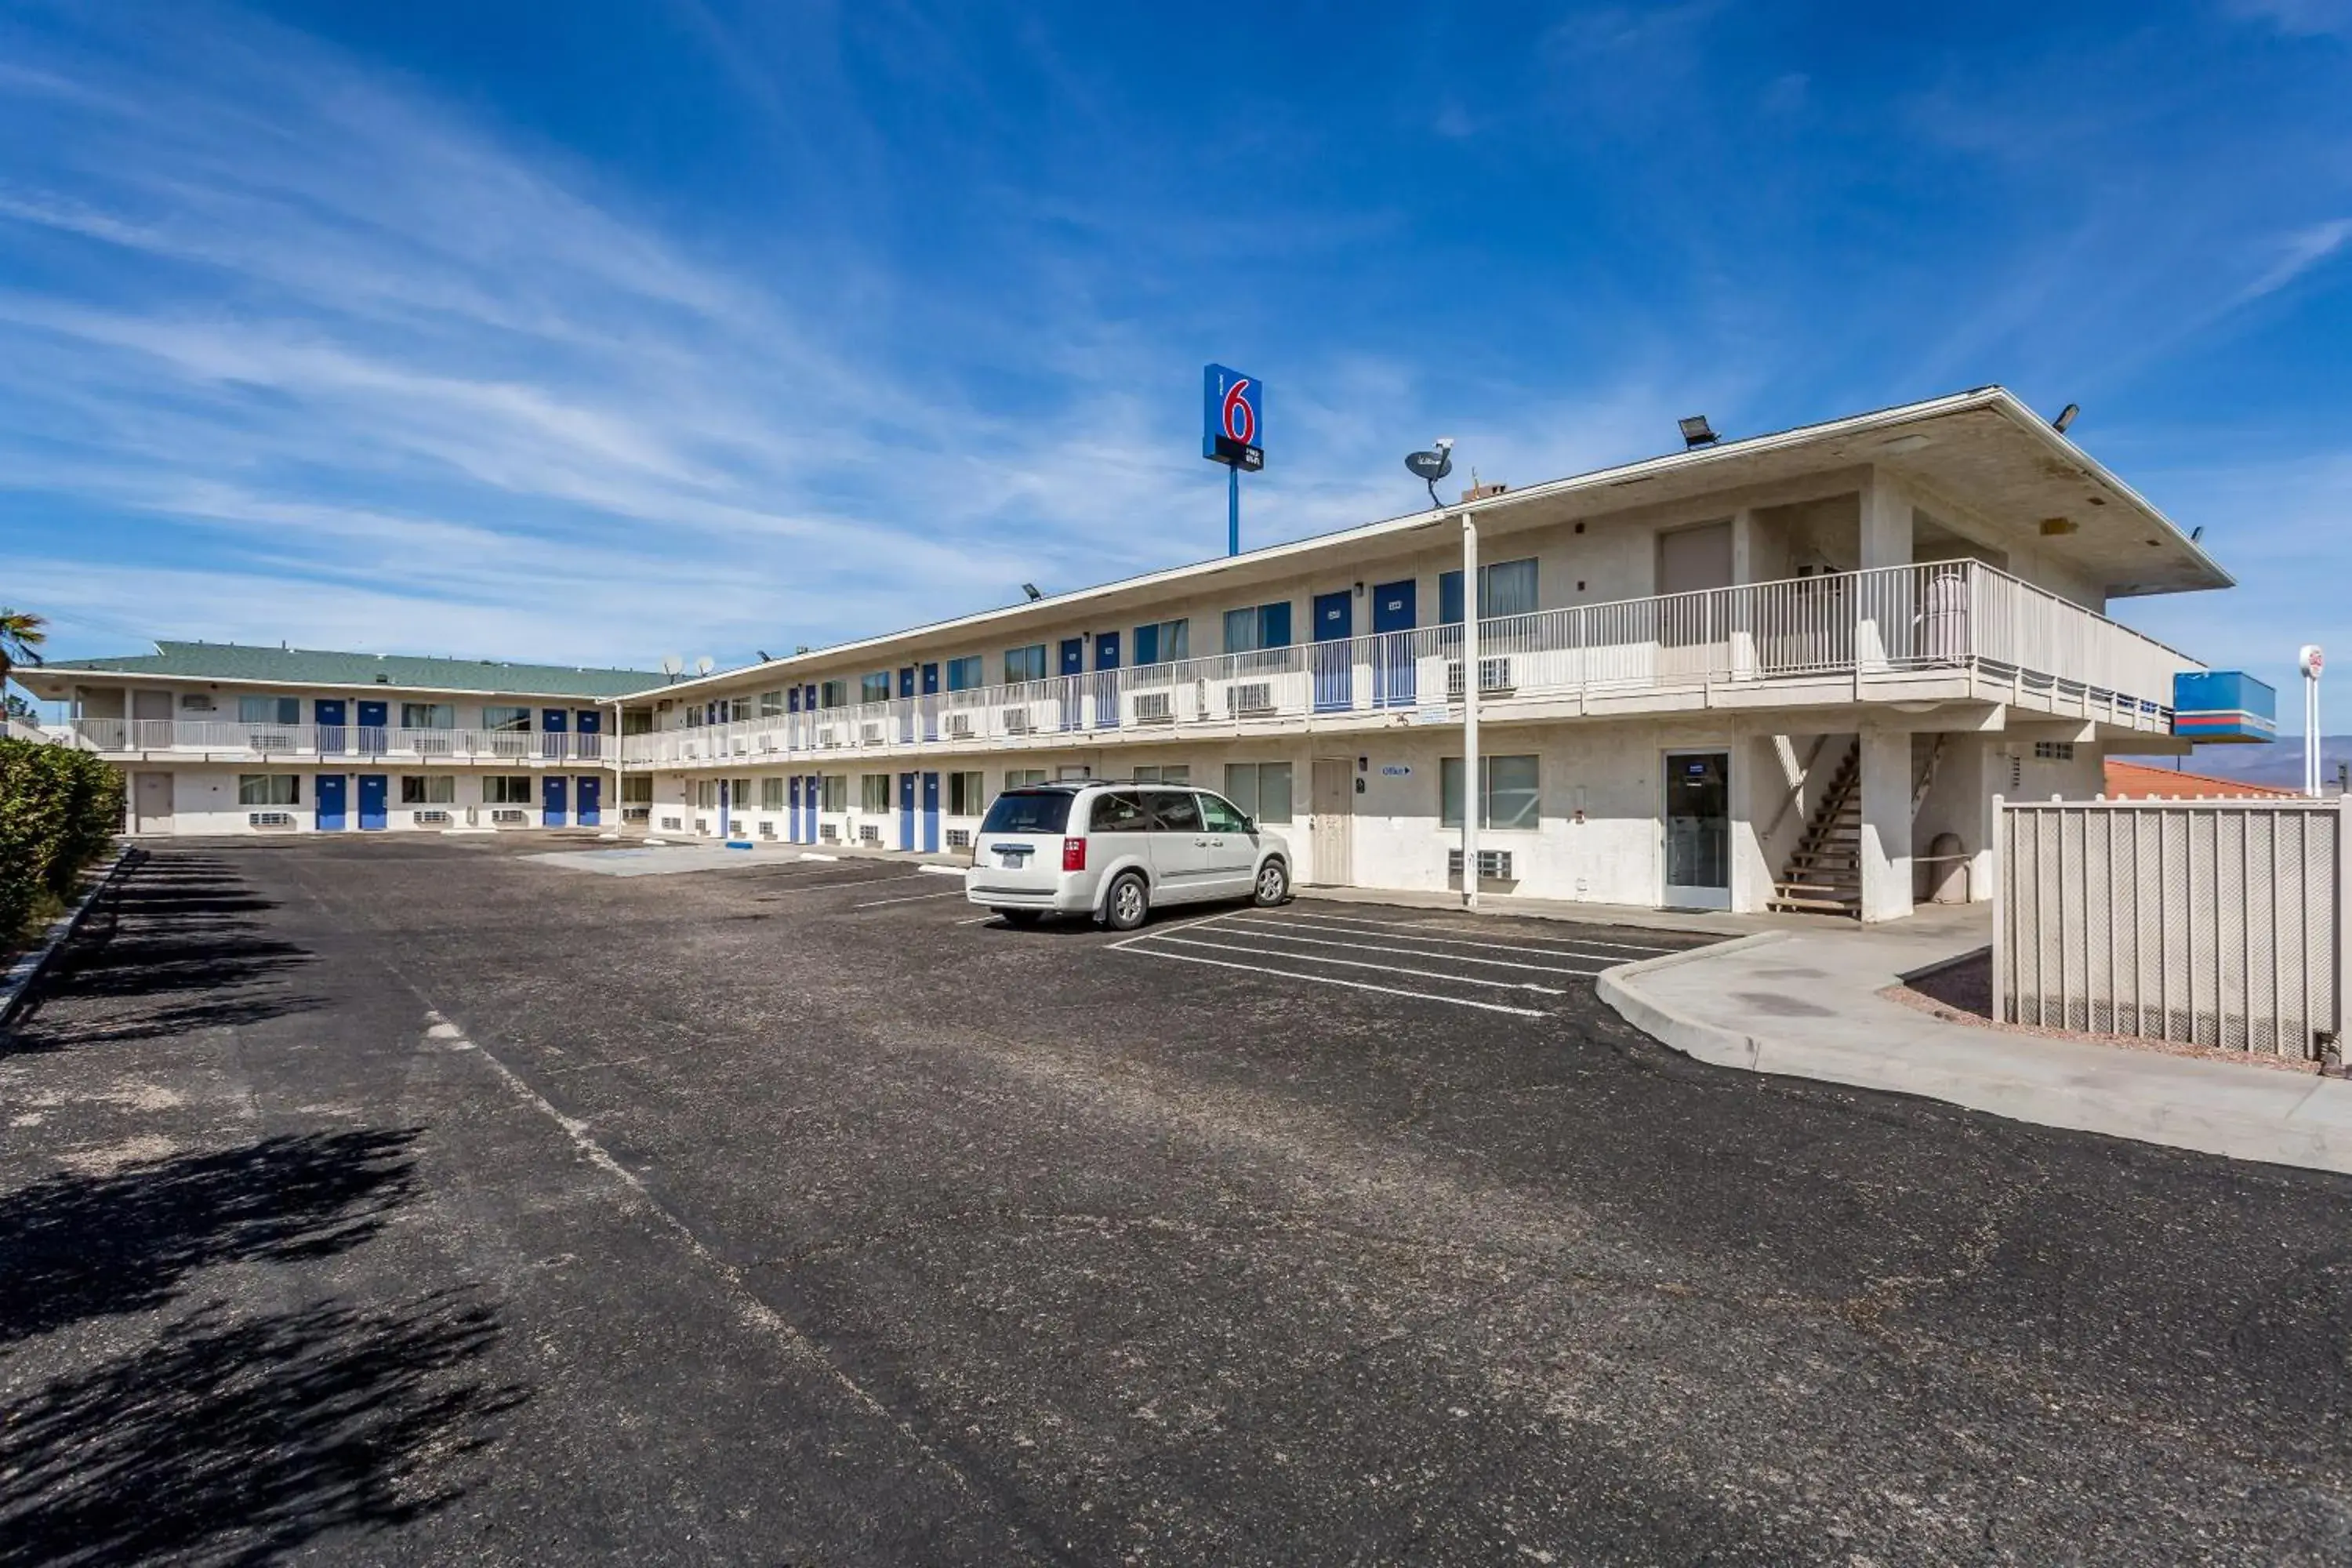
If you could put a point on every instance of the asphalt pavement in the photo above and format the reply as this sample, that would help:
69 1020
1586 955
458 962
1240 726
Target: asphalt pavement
417 1201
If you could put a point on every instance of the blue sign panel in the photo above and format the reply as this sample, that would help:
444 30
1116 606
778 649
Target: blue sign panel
1233 418
2223 705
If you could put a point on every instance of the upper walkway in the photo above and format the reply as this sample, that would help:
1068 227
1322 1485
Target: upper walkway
1933 632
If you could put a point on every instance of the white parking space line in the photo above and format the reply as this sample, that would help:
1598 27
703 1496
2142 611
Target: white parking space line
1365 963
1170 931
1537 942
976 920
906 899
1331 980
1272 931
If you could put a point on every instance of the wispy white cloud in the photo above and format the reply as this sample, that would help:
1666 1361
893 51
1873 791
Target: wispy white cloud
2298 253
2296 18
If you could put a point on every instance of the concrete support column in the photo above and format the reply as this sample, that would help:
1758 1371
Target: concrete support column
1885 823
1742 635
1882 611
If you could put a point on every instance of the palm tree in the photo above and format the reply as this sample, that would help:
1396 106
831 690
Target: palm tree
22 633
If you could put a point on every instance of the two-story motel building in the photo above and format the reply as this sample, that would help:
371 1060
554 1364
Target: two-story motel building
1774 670
220 737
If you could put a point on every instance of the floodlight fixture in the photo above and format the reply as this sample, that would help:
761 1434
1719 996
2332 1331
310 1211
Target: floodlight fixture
2065 417
1031 589
1697 432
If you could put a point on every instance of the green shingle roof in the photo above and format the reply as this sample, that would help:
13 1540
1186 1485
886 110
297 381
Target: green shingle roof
317 667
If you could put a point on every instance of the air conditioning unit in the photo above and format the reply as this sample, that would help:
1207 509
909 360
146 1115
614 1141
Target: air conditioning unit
767 743
1493 865
702 825
1016 721
429 745
270 818
432 818
828 735
830 832
959 726
739 746
767 830
869 735
269 741
196 703
671 824
1152 708
869 833
1494 677
1249 697
638 814
959 837
509 816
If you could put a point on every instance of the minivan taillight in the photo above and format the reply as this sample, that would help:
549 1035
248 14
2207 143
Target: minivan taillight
1074 854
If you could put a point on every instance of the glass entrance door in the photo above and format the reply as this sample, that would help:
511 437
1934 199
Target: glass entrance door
1698 830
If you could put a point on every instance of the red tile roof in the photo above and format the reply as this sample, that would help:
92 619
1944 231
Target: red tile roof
2138 780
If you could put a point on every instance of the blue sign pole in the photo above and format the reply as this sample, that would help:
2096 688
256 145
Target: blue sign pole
1233 419
1233 510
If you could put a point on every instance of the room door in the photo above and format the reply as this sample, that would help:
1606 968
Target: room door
1332 838
930 814
333 802
590 790
1698 830
1334 652
150 721
151 804
551 800
374 796
328 713
1394 611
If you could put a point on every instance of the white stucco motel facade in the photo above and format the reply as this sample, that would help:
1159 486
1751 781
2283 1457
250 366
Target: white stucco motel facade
1769 670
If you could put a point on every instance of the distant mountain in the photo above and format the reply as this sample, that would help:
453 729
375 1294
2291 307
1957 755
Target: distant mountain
2278 764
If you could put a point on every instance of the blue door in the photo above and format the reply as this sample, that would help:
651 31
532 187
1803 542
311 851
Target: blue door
551 793
906 811
723 832
930 814
327 712
1394 657
907 717
812 792
1106 680
552 722
931 702
374 817
793 818
586 722
1334 654
372 719
331 803
591 800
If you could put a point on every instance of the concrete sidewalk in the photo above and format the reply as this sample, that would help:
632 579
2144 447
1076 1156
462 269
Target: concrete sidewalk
1806 1004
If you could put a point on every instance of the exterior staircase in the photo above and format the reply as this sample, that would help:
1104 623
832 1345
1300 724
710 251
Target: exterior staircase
1824 874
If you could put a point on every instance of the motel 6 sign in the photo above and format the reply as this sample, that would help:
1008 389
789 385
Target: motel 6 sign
1232 418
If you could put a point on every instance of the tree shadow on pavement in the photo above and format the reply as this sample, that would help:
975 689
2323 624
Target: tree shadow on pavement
75 1247
234 1441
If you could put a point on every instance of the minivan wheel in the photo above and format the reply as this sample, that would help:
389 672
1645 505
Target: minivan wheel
1273 886
1127 904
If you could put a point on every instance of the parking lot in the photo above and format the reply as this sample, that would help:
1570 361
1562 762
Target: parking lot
428 1200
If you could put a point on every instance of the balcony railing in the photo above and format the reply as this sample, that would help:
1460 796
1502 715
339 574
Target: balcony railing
360 742
1883 628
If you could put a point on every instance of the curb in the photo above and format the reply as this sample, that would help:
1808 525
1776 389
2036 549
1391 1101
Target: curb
17 984
2306 1123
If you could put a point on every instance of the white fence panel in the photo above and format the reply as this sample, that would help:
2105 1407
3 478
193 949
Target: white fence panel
2211 923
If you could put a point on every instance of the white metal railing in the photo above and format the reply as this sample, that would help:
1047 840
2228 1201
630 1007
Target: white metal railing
2209 922
1959 616
215 737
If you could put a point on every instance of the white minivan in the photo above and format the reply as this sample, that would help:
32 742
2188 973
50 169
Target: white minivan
1113 850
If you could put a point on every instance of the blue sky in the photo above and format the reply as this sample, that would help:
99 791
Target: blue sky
704 327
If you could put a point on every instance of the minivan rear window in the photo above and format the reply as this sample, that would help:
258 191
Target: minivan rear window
1022 811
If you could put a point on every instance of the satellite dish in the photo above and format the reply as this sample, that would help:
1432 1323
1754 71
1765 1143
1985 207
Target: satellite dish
672 664
702 666
1432 466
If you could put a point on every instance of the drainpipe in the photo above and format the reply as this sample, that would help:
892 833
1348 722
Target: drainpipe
1471 793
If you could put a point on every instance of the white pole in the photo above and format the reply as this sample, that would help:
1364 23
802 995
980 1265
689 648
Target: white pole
2313 660
1473 797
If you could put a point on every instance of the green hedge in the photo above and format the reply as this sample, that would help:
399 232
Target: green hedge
59 810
